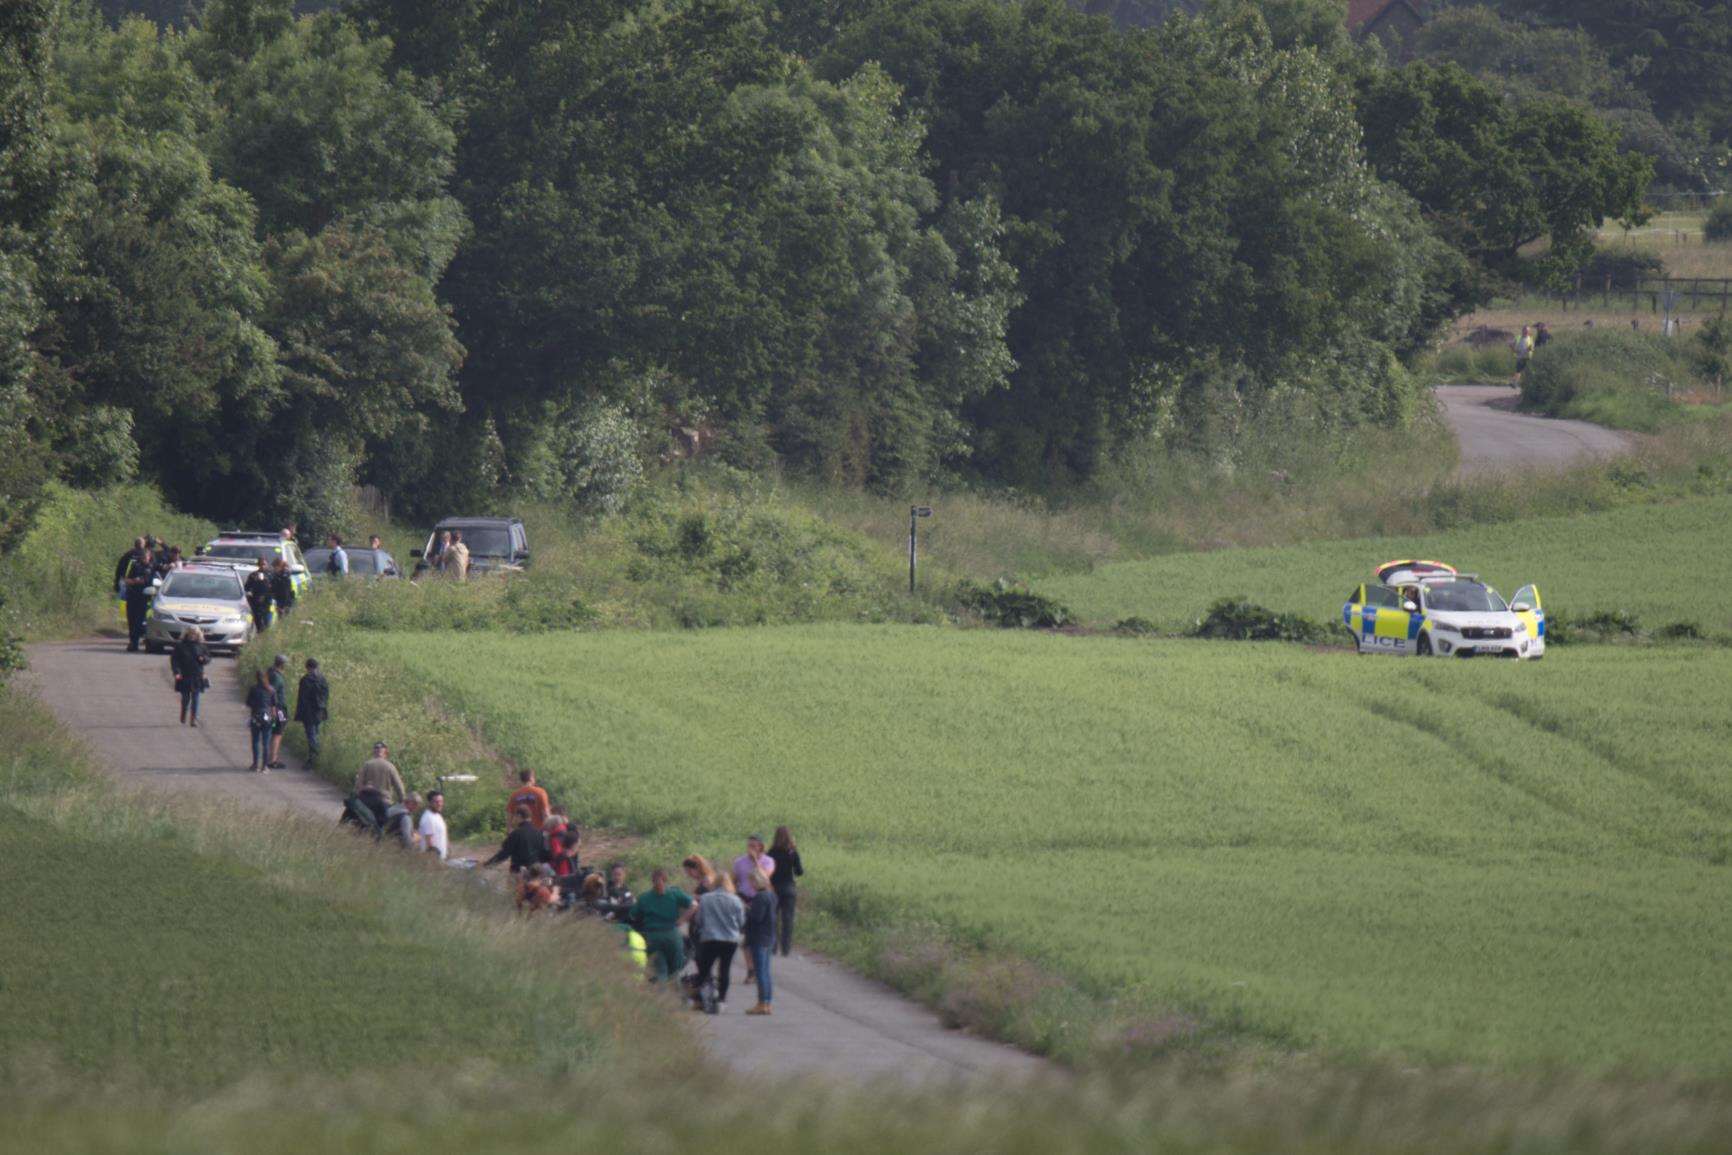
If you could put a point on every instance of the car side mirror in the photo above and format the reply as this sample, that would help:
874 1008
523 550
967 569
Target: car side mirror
1410 607
1521 608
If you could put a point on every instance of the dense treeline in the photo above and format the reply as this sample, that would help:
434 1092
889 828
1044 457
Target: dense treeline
476 250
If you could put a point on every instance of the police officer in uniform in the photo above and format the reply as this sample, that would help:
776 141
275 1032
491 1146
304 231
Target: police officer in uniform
258 591
140 573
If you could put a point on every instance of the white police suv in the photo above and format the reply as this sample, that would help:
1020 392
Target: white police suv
1427 607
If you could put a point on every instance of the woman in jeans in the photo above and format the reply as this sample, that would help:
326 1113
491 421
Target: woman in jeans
720 917
188 662
262 720
761 938
787 859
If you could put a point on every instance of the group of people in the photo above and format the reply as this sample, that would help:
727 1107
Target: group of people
267 704
750 905
136 575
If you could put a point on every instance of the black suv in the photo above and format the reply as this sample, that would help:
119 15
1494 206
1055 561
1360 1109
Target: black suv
496 544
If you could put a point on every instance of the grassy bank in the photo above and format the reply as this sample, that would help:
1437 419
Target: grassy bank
59 580
1267 846
1644 559
171 953
1639 381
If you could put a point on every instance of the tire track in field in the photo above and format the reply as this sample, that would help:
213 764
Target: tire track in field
1498 769
1536 717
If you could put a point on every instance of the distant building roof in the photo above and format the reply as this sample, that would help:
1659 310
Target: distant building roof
1361 13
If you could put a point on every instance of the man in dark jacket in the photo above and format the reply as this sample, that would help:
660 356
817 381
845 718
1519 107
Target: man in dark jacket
120 567
311 706
140 573
283 588
525 846
258 591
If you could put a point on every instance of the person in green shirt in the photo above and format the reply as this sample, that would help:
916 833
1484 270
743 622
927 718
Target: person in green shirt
661 916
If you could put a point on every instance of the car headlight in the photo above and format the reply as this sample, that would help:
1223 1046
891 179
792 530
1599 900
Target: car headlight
165 616
1521 627
1445 628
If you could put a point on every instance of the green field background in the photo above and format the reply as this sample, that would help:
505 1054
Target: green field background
1449 862
1662 562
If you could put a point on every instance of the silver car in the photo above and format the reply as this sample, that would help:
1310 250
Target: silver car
209 597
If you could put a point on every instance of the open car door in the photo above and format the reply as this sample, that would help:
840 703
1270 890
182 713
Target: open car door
1526 606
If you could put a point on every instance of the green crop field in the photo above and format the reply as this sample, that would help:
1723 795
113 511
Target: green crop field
1660 562
1523 866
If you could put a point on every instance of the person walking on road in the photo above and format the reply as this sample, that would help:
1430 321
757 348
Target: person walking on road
786 856
525 846
660 916
188 662
258 592
283 588
761 938
280 690
261 720
377 783
720 918
311 706
140 574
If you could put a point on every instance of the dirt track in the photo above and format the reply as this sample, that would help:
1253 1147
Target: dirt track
1495 437
828 1022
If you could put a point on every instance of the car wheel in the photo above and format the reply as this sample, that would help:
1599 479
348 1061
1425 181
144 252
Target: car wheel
1424 648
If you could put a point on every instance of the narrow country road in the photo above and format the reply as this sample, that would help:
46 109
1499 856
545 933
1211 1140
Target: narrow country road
829 1022
1495 437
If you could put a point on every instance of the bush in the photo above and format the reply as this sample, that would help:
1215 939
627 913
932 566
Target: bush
1718 226
1012 605
1624 266
1136 628
1239 620
1680 632
1563 629
1616 377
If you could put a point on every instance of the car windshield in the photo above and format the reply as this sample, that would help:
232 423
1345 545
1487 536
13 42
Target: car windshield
360 561
235 552
205 586
1464 598
483 541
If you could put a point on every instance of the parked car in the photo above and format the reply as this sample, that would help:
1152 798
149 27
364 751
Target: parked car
241 550
1427 607
207 596
496 544
370 563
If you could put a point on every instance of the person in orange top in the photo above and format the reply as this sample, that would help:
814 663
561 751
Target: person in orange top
530 795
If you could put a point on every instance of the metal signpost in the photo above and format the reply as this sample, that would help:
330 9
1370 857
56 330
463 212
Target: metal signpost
915 513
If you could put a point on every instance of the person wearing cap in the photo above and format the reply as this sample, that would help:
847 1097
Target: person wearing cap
377 779
280 687
311 706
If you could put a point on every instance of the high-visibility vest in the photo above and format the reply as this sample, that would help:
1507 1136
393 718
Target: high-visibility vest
638 948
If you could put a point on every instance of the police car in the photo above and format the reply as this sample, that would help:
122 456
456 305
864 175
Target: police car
209 597
241 549
1427 607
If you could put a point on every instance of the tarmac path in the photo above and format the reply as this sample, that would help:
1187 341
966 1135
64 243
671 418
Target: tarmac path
1495 437
829 1022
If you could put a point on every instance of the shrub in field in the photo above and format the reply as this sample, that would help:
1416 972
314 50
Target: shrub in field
1680 632
1718 226
1135 627
1239 620
1011 605
1563 628
1612 376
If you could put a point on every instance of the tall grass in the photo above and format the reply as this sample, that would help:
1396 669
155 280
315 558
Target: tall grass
60 576
1624 379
